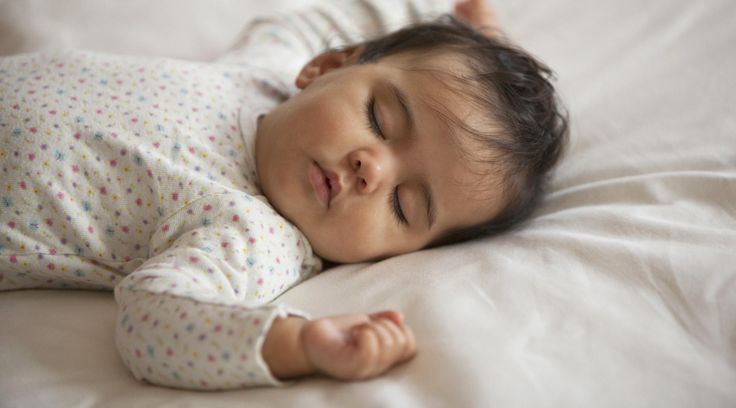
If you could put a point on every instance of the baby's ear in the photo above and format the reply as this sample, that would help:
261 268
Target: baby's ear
325 63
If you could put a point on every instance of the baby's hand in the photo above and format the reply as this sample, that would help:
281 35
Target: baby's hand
479 14
359 346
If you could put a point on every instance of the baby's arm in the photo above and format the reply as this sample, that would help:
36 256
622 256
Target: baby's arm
285 42
196 314
346 347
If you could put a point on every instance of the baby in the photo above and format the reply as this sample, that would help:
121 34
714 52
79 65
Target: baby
200 192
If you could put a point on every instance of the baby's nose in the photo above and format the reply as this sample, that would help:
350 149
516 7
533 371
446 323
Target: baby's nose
369 169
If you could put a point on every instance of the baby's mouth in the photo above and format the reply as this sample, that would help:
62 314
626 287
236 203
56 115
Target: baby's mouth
325 183
333 183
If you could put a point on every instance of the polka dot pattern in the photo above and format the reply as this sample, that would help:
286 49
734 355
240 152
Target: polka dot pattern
138 175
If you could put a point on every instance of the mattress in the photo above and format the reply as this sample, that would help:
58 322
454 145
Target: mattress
620 291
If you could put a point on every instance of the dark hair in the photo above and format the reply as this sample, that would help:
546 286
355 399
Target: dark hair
515 89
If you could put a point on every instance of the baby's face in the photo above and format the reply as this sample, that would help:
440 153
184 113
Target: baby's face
362 165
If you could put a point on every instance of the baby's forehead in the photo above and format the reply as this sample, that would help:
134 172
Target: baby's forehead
444 64
447 106
443 87
444 78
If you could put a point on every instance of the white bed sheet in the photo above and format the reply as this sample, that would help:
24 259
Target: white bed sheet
620 292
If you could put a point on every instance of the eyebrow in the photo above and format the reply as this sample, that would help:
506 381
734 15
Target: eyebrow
409 116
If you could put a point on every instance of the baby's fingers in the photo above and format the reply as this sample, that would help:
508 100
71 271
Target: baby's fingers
368 350
399 342
382 342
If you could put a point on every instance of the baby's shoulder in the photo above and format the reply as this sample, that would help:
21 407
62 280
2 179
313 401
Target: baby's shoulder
240 220
236 211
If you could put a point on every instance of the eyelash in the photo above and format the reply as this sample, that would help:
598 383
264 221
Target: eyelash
393 202
370 112
393 196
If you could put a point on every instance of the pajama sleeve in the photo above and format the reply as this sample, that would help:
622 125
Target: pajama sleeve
287 42
195 314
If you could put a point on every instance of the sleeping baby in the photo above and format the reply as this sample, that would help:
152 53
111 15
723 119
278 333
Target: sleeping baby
200 192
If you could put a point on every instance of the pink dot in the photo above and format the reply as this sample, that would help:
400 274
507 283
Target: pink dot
236 218
174 196
31 157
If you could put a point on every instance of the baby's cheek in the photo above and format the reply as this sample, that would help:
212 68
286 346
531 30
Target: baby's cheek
336 123
350 241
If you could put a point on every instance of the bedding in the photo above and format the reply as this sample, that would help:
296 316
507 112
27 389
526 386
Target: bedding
620 291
